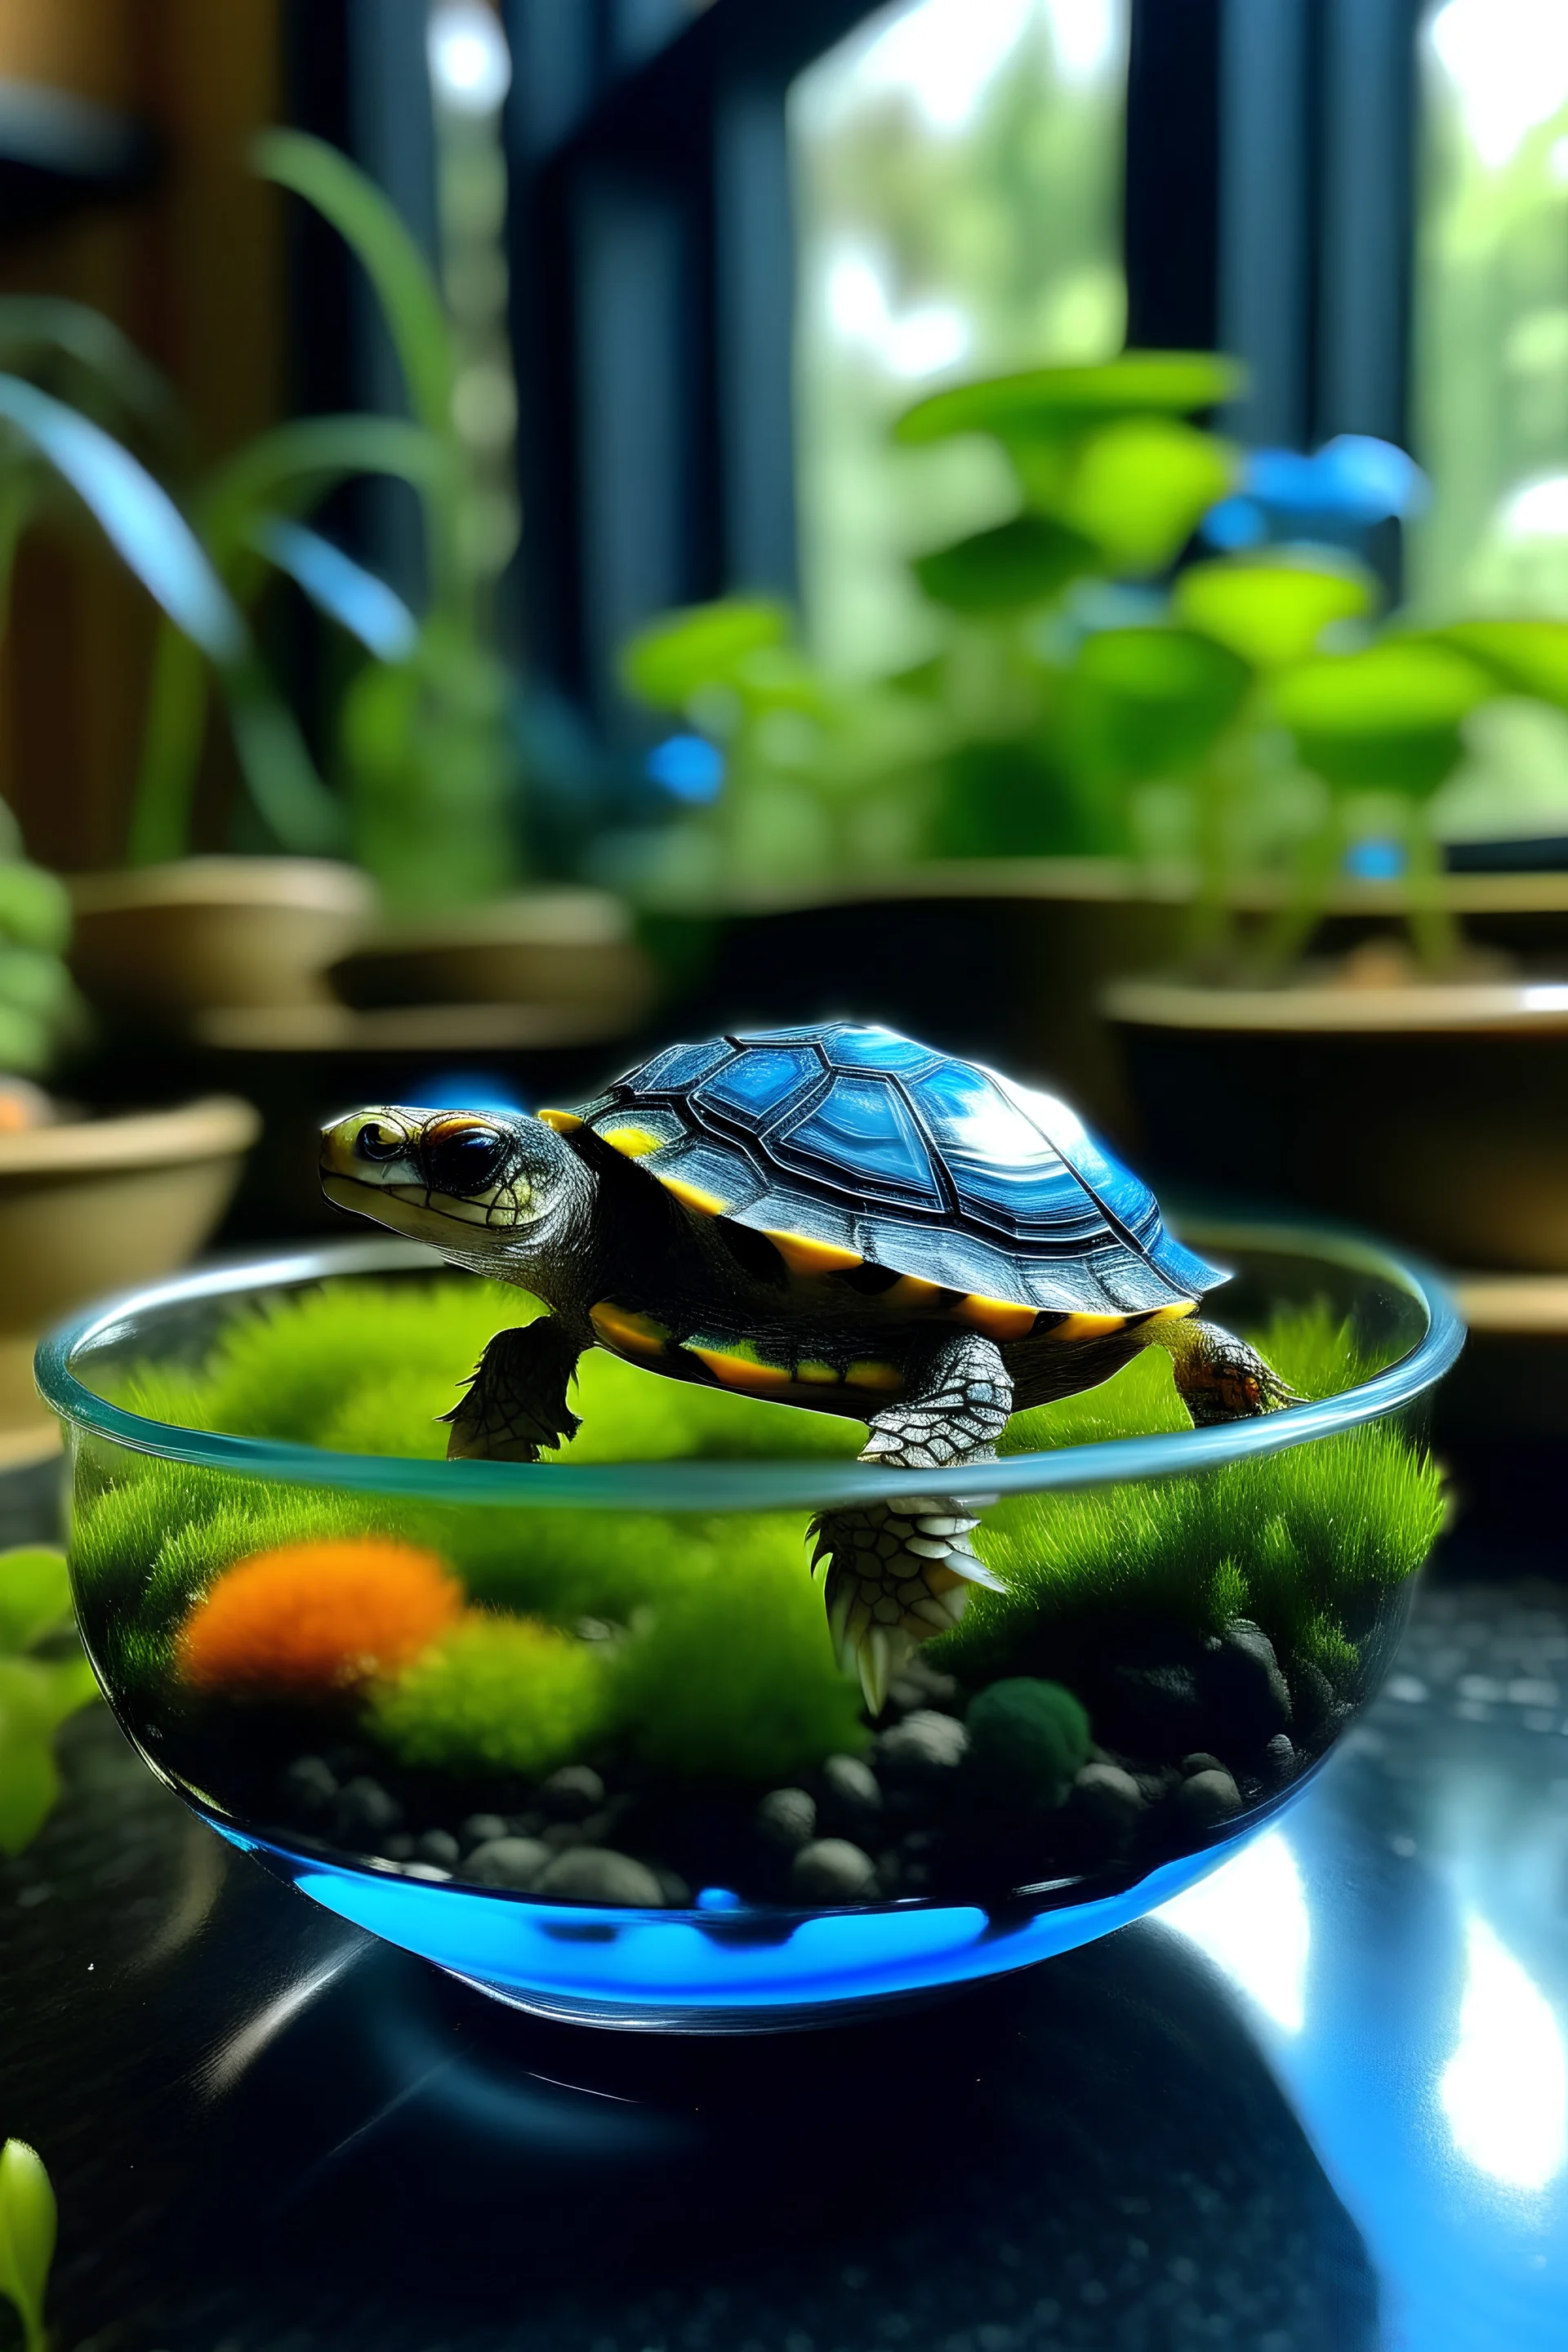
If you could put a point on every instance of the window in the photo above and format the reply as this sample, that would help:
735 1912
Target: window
1491 357
957 178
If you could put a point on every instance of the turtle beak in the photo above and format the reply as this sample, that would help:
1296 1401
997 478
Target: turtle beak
369 1147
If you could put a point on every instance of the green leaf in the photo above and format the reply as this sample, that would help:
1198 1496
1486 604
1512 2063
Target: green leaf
32 981
1051 402
403 284
676 655
1386 719
1269 612
35 908
26 1044
171 741
291 467
140 520
1525 656
1140 487
1006 570
38 326
1143 705
35 1594
279 774
28 2227
29 1786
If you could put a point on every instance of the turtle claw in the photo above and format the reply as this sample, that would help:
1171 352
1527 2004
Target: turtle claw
891 1584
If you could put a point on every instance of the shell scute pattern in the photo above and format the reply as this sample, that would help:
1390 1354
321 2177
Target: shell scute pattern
930 1167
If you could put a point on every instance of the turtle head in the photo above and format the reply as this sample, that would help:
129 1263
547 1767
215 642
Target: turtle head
473 1183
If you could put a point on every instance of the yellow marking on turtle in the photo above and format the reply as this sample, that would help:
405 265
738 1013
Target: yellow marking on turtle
871 1374
634 1141
693 1196
824 1375
621 1327
739 1367
563 1122
999 1318
803 1256
910 1293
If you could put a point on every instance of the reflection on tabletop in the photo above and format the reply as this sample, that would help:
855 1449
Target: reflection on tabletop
1319 2102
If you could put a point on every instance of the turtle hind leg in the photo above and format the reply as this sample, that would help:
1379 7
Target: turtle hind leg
899 1573
1218 1377
516 1401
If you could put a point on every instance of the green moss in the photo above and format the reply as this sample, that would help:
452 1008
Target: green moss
1026 1740
733 1676
729 1671
1296 1537
498 1694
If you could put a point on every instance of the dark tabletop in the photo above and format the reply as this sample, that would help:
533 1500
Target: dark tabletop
1318 2104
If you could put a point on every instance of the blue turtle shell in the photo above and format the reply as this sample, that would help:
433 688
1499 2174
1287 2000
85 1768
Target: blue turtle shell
926 1165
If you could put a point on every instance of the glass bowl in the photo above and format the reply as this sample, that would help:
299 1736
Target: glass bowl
579 1737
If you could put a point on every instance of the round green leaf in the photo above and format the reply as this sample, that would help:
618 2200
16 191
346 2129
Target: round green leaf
1140 487
34 983
675 657
1066 400
26 1044
27 2225
1524 656
1145 703
35 908
1386 719
35 1594
1025 562
1269 612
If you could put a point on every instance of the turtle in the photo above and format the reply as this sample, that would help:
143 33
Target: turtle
831 1216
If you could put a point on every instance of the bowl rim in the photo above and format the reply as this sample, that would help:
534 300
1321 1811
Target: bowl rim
711 1487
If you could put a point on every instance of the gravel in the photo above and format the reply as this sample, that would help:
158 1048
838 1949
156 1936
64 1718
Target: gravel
517 1862
831 1870
1206 1799
588 1873
785 1819
572 1793
924 1748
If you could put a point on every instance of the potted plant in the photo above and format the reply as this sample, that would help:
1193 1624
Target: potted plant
86 1203
1109 767
428 730
1417 1082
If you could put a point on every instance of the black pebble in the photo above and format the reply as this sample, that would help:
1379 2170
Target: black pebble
307 1786
364 1814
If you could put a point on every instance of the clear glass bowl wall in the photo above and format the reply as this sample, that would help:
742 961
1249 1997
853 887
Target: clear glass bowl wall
724 1877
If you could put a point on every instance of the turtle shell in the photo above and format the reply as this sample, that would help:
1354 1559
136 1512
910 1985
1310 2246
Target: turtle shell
845 1144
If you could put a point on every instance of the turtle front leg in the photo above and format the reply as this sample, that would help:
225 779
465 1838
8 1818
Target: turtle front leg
1218 1377
899 1573
516 1401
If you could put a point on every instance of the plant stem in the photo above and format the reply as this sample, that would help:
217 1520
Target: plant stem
1434 931
1299 917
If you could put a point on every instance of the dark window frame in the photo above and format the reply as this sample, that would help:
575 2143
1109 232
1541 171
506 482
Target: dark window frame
1269 210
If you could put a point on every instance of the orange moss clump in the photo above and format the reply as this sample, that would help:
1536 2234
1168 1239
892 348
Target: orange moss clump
311 1618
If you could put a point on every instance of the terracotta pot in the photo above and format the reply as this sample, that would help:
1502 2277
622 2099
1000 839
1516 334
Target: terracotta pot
1009 958
558 948
1434 1113
157 943
90 1205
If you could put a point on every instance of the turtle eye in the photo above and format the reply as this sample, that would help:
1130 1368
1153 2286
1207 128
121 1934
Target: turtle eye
378 1142
462 1160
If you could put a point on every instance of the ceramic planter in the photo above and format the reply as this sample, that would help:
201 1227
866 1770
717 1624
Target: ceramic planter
155 944
1438 1114
90 1205
573 950
1010 957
